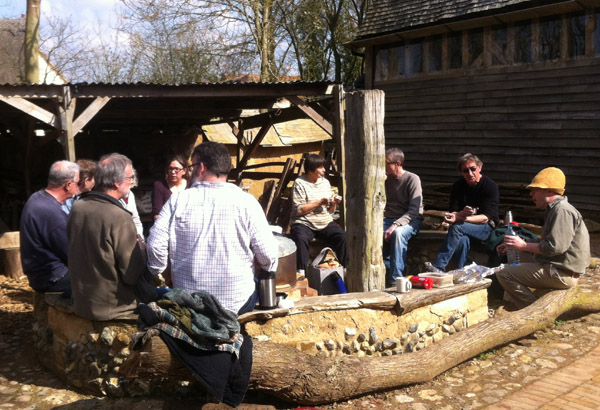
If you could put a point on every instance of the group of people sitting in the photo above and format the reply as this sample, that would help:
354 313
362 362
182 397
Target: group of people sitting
562 253
209 236
212 236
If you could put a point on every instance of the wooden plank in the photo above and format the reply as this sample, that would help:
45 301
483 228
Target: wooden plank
387 299
320 120
255 143
32 110
284 180
89 113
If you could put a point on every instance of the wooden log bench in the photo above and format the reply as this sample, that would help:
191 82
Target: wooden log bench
97 356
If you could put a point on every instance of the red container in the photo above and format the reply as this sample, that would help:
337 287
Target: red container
419 282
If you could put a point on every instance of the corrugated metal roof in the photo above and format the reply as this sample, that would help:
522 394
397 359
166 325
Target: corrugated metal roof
388 16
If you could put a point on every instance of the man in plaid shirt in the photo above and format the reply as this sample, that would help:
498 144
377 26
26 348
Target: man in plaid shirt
213 234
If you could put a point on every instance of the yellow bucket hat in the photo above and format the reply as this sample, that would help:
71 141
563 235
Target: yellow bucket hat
549 178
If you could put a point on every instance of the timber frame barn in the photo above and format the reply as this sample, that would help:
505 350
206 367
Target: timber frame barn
42 123
516 82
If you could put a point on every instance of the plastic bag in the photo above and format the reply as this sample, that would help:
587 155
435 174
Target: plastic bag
473 273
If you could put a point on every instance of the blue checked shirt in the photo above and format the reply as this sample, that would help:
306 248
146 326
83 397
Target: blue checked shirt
211 233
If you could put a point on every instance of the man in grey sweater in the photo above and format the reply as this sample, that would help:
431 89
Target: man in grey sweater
403 212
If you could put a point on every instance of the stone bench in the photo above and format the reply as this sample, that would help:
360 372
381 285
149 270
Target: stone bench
97 356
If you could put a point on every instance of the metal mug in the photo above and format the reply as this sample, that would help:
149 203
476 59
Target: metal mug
403 285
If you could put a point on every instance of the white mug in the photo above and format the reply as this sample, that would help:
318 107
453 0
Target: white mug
403 285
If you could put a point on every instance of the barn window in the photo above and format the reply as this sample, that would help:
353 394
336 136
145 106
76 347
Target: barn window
414 60
475 47
597 33
400 61
455 50
522 36
499 45
550 38
576 33
382 63
434 54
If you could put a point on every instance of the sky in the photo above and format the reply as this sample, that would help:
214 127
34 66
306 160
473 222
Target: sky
87 12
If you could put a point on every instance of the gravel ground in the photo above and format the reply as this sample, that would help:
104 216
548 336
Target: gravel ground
474 384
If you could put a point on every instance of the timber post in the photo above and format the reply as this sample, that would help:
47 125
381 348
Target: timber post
365 190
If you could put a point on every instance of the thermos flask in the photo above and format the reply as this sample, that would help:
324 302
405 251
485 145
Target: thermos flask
267 297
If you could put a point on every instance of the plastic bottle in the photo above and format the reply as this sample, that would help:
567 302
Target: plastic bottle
419 282
512 254
339 282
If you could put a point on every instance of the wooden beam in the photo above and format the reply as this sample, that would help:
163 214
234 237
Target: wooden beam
255 143
312 113
66 108
33 110
89 113
340 147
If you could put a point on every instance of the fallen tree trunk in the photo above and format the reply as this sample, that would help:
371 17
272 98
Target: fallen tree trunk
291 375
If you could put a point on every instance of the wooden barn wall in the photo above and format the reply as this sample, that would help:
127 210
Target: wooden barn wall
518 120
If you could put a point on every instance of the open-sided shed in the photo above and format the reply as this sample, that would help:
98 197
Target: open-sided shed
43 123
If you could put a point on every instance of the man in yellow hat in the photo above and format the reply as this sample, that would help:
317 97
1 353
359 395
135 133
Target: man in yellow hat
562 254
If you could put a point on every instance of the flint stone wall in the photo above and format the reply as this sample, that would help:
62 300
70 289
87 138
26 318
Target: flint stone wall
96 356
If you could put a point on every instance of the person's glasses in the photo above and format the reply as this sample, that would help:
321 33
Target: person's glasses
131 178
390 162
470 169
174 169
191 167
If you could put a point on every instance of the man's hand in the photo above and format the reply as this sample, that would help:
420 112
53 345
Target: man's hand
141 243
388 232
450 217
511 242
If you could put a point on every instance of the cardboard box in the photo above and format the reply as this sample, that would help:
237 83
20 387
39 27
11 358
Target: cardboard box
440 280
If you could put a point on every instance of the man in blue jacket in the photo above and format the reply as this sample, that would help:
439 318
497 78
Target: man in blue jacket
43 230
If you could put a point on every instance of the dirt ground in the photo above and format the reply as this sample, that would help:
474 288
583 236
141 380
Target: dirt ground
24 384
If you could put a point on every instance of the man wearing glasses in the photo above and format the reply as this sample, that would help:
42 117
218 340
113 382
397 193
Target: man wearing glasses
213 234
106 259
403 212
43 230
473 212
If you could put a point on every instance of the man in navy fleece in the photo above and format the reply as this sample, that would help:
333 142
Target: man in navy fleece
43 230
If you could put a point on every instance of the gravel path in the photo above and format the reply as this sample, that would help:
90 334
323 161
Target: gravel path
484 380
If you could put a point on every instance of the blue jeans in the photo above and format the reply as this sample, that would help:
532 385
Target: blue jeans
394 251
457 243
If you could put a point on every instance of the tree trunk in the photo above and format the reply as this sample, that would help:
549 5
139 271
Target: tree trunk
32 49
289 374
292 375
365 195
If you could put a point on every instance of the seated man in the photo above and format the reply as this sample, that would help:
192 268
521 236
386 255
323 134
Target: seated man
107 262
313 205
213 234
43 230
473 212
563 252
403 212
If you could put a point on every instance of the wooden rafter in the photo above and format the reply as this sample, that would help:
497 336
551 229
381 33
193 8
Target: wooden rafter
89 113
33 110
255 143
312 113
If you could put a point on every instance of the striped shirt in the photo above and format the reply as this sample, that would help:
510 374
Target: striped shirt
305 192
211 233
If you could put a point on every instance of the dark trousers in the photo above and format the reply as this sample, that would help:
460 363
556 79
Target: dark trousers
332 234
